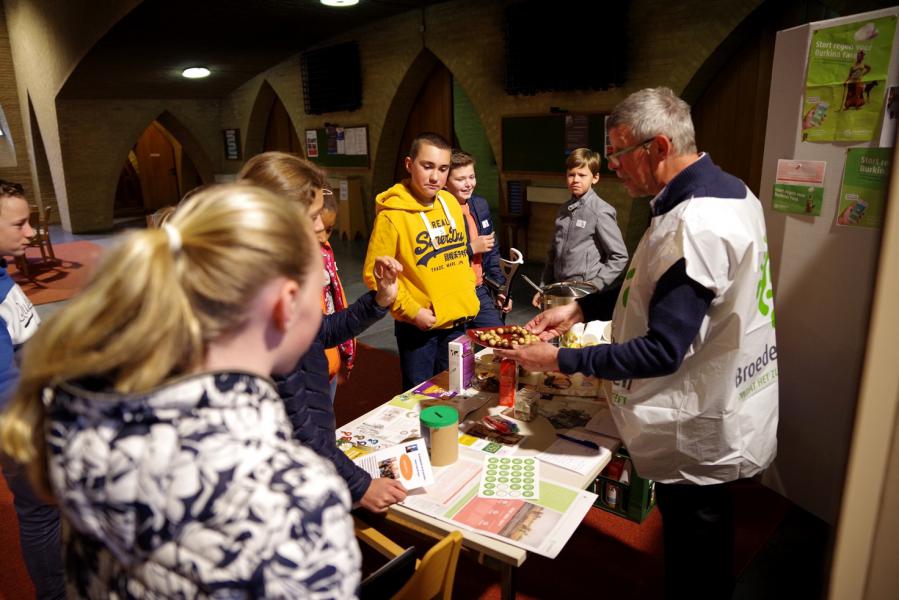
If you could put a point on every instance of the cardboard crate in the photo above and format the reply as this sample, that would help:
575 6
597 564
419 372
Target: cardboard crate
633 500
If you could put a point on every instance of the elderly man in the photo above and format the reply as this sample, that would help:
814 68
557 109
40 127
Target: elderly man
692 369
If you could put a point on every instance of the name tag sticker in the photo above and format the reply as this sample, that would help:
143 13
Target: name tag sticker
485 223
439 231
580 223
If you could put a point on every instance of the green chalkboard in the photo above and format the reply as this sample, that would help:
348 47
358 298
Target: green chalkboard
536 144
349 161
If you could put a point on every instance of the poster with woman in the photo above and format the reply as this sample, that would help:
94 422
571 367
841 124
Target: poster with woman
846 81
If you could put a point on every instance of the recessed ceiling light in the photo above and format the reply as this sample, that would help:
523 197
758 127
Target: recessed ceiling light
195 72
340 2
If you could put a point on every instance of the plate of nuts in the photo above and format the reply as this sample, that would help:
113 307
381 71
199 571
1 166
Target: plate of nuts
509 336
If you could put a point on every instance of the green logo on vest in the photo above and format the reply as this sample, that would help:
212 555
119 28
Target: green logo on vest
626 291
764 291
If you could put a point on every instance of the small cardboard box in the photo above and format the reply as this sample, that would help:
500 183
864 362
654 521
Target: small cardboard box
461 363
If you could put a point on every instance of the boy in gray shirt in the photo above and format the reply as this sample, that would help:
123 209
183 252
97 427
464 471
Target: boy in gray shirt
587 243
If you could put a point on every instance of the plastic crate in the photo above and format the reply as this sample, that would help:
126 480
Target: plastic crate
633 499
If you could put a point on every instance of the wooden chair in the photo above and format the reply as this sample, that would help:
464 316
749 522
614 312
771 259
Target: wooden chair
432 576
40 223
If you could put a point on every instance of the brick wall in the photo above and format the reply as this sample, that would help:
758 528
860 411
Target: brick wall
9 100
669 41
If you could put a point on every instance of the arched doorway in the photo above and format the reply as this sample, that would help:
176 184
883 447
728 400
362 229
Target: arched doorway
156 173
432 110
280 133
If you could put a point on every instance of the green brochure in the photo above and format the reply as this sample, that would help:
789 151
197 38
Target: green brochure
864 192
846 82
799 187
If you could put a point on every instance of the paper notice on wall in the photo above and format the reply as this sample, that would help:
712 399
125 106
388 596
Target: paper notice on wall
344 190
864 190
799 186
341 141
355 141
311 143
845 84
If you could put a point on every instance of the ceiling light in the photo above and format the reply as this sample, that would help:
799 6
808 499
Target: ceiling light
340 2
195 72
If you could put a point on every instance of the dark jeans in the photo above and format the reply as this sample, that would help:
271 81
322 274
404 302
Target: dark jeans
489 315
423 354
698 528
39 534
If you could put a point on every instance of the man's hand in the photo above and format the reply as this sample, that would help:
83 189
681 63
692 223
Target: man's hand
556 321
539 356
424 319
385 271
537 301
381 493
501 304
482 244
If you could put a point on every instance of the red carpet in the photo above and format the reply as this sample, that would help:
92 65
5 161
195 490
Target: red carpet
14 581
60 279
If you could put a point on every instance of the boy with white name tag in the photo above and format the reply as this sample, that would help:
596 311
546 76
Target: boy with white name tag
587 243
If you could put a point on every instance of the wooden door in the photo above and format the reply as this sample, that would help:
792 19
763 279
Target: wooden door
432 111
280 133
156 165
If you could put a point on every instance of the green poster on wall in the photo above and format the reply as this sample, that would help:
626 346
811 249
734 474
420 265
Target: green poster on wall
864 191
846 80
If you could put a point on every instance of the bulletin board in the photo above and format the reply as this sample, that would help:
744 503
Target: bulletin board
536 144
340 147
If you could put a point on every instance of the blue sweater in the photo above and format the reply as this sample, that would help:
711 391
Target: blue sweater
23 321
306 391
678 304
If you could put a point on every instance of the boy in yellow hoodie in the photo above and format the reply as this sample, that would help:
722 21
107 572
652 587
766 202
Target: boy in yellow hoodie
422 226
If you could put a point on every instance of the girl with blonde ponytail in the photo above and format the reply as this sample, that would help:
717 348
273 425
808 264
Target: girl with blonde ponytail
145 407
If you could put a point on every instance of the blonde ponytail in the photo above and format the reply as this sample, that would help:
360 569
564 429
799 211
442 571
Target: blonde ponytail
151 309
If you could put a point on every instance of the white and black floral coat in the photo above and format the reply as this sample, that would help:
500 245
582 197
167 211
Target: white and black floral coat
196 490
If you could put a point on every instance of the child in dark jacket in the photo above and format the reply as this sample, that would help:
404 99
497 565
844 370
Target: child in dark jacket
483 248
306 390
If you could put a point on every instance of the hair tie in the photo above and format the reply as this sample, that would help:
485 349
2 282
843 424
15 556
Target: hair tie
174 237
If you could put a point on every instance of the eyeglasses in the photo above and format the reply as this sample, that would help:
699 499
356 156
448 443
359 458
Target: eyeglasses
327 192
614 157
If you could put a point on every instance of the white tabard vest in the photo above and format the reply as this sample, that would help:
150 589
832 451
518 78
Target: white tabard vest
715 418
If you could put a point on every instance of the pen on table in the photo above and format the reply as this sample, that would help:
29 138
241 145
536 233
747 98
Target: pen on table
586 443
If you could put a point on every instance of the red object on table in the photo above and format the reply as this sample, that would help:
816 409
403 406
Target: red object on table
508 381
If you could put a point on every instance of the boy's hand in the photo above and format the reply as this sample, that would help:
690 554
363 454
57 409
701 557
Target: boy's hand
501 303
424 319
385 271
536 301
483 243
381 493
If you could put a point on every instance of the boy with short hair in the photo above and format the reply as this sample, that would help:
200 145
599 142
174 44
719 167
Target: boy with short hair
423 227
587 243
483 249
39 524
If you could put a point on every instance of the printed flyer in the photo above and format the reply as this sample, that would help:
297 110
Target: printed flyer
543 526
408 463
864 191
846 81
799 186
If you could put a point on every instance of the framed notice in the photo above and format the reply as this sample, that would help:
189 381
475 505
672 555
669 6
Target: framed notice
232 143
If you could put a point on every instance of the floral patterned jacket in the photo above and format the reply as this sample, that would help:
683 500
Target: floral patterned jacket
196 489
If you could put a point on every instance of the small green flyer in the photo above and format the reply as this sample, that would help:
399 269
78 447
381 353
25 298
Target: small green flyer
799 187
846 82
864 191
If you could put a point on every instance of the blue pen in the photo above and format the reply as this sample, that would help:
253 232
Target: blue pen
585 443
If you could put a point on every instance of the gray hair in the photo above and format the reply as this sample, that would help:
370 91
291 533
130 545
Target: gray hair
657 111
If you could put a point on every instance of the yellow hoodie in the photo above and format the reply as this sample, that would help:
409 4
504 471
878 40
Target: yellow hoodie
440 279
